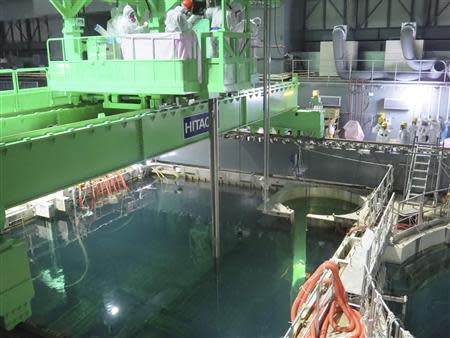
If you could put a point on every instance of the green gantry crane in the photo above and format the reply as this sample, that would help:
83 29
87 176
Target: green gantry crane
102 111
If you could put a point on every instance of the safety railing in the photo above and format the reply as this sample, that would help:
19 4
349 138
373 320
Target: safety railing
381 234
378 319
319 298
24 78
380 196
228 60
148 47
415 206
370 70
144 64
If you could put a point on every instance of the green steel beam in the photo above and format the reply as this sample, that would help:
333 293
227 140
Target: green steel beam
27 99
36 163
299 122
69 8
55 119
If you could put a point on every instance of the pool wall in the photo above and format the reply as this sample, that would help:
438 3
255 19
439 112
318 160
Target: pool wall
248 157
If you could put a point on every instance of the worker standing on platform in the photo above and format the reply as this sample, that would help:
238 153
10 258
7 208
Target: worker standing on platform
381 119
233 17
177 19
383 133
404 136
423 132
413 128
315 102
434 131
128 23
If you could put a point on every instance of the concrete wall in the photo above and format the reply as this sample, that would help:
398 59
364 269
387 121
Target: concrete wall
320 163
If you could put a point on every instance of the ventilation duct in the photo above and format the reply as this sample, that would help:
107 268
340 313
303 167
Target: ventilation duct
433 68
435 71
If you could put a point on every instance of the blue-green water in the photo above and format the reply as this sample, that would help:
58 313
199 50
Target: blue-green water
144 267
425 279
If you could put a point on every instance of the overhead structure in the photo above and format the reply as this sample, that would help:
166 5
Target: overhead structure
106 102
152 68
428 70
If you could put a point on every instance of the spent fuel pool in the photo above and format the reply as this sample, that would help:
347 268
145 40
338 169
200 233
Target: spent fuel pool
143 267
425 280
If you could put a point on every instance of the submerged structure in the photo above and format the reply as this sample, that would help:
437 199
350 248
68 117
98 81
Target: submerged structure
160 178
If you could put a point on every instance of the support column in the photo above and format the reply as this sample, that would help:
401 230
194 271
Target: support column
72 30
266 88
213 105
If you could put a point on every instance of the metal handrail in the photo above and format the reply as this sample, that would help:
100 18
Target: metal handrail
376 315
379 197
316 297
380 201
114 42
381 234
373 65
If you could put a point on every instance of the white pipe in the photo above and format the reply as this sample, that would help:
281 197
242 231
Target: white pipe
438 112
448 103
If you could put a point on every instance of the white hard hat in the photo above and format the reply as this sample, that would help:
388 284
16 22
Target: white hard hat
128 10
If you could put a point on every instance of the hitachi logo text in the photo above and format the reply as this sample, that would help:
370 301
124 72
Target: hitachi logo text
195 125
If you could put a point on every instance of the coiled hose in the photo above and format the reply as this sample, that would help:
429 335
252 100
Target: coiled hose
339 304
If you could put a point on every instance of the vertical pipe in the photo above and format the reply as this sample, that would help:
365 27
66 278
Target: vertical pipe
213 105
448 103
438 112
430 104
266 80
439 173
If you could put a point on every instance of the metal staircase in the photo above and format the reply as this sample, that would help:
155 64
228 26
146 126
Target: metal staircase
419 171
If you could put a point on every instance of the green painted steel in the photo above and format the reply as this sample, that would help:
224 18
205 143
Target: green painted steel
56 118
38 162
228 64
304 123
104 71
16 285
18 99
99 64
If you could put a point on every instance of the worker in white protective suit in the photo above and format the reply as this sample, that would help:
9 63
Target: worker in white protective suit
177 19
128 23
384 133
233 17
377 127
434 131
423 132
404 137
413 128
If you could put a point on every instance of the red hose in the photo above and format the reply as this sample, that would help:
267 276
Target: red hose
339 304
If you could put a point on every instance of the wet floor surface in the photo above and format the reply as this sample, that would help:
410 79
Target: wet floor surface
143 267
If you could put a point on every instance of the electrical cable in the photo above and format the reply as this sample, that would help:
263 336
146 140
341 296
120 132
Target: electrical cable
345 158
86 259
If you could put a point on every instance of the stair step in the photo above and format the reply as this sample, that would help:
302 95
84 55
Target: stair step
420 171
423 163
417 187
420 178
423 155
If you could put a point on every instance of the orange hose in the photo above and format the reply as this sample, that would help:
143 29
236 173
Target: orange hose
125 186
339 304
